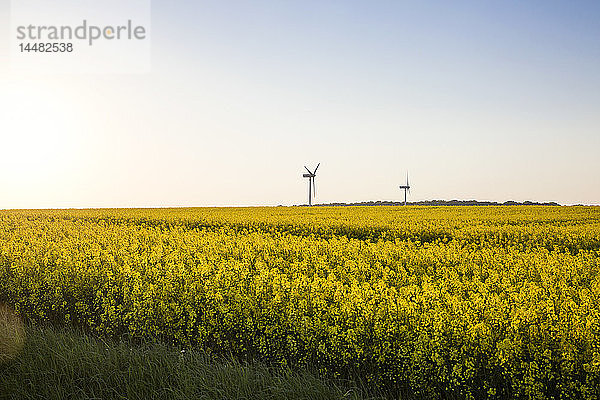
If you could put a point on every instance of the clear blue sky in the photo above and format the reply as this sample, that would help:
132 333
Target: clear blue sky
491 100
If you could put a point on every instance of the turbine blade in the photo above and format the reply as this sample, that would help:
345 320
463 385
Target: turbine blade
314 187
306 168
317 168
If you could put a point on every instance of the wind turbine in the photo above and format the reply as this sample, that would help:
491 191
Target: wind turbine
311 183
406 188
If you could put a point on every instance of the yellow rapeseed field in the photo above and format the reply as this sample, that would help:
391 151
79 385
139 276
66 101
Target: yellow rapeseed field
441 302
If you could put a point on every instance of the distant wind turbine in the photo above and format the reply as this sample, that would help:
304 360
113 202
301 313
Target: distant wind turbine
312 188
406 188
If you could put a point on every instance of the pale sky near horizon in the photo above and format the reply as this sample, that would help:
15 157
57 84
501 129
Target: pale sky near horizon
486 100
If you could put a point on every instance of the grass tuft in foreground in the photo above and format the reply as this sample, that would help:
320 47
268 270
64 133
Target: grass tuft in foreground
68 364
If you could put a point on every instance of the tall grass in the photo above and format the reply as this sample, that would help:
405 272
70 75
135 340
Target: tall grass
69 364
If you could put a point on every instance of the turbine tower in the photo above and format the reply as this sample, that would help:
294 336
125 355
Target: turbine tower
406 188
312 188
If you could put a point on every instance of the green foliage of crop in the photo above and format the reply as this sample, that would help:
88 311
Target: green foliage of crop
461 302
